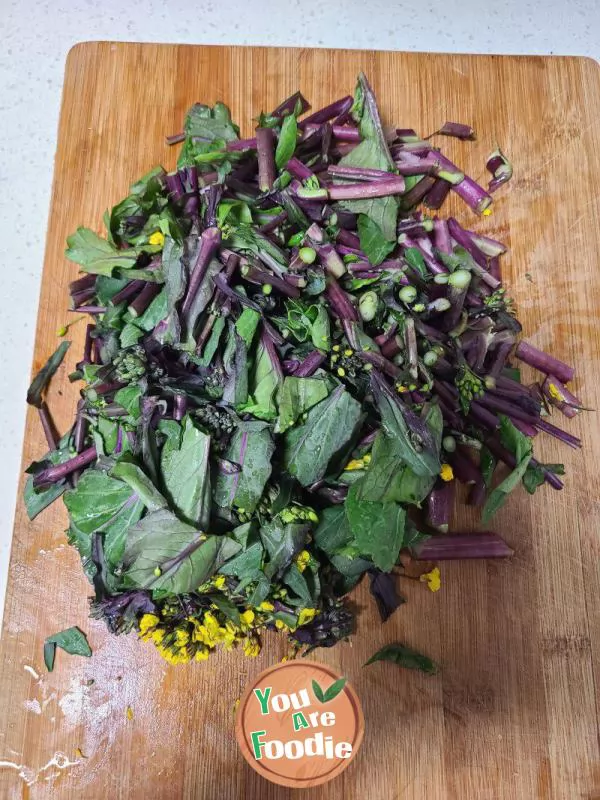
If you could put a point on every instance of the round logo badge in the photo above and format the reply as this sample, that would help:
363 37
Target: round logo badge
299 724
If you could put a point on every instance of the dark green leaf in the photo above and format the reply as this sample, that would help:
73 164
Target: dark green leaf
251 447
520 445
535 476
136 479
155 313
185 471
405 657
297 396
265 380
378 528
413 434
287 141
372 241
163 553
129 397
333 531
245 565
210 348
207 132
247 324
414 259
96 255
101 503
487 464
42 379
175 284
282 543
72 640
329 426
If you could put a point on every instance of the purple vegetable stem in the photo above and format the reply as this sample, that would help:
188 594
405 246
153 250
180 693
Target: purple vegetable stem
544 362
310 365
458 546
58 471
210 240
266 159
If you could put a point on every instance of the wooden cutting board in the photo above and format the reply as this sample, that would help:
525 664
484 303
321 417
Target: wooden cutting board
514 712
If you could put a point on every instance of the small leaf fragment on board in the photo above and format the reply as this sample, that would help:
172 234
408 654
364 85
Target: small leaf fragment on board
405 657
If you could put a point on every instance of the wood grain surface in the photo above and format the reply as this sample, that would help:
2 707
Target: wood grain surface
513 713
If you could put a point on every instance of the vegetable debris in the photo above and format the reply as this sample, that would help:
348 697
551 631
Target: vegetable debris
288 367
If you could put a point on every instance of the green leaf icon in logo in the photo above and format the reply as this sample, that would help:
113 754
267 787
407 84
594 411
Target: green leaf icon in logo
330 693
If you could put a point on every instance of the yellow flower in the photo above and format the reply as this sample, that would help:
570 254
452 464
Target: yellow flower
182 637
303 560
202 654
433 579
280 625
174 656
236 705
554 391
266 606
400 388
446 472
148 621
247 617
354 464
367 458
486 212
157 238
219 581
306 615
129 713
251 647
158 634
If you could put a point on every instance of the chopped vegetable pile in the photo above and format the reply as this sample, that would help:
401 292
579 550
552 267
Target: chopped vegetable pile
287 370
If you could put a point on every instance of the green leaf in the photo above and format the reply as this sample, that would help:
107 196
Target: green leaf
329 426
388 479
234 212
405 657
235 363
164 553
246 565
372 152
129 397
155 313
72 640
335 688
207 132
378 528
487 464
210 348
136 479
318 692
185 473
248 239
535 477
36 500
287 141
251 447
414 258
333 531
282 543
520 445
102 503
247 324
413 434
130 335
96 255
265 380
372 241
297 396
44 376
298 585
175 284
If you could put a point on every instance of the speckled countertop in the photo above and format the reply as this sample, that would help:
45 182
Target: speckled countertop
36 38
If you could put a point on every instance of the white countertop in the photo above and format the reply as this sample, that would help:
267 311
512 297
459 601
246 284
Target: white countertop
36 38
